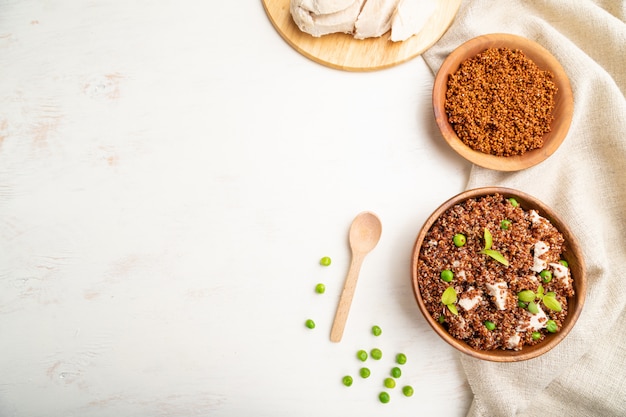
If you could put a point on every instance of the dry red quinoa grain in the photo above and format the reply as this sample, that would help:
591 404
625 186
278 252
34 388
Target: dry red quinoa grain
474 272
499 102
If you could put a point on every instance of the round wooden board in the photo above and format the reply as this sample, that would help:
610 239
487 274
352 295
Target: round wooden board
342 51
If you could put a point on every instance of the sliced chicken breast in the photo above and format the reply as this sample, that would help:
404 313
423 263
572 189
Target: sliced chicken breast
410 17
319 25
375 18
324 6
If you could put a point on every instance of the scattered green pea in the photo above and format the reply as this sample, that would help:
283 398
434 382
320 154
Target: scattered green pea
383 397
361 355
505 224
546 276
513 202
320 288
459 240
490 325
407 391
401 358
564 263
325 261
347 380
364 372
447 275
389 383
310 324
376 353
551 326
441 319
536 335
376 330
396 372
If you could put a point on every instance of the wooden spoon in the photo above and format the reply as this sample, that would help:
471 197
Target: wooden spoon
364 235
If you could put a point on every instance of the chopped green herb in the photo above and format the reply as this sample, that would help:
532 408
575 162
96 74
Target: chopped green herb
488 239
552 303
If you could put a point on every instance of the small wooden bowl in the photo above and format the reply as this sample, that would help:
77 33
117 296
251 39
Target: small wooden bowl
573 255
564 101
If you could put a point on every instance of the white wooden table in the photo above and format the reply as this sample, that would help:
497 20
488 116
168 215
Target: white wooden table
170 175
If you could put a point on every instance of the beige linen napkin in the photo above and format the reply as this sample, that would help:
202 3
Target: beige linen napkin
585 181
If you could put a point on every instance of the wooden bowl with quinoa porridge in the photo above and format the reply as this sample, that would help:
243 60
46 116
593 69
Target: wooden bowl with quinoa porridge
498 275
502 102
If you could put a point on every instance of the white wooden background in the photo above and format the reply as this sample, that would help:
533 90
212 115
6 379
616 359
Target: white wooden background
170 174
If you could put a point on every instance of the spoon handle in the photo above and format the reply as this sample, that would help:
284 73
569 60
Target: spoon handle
341 316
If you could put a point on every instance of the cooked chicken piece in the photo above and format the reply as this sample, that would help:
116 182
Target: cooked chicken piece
410 17
324 6
319 25
375 18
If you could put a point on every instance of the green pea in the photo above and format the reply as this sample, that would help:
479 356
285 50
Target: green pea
546 276
441 319
383 397
459 239
376 330
320 288
505 224
401 358
361 355
376 353
407 391
490 325
396 372
513 202
325 261
310 324
389 383
536 335
564 263
364 372
551 326
347 380
447 275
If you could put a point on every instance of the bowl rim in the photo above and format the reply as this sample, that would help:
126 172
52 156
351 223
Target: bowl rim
573 254
564 101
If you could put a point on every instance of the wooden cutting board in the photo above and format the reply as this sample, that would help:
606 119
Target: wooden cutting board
342 51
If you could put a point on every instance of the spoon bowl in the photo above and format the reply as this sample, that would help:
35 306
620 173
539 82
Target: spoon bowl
364 235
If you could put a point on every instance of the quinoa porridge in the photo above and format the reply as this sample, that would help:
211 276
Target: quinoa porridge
492 274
